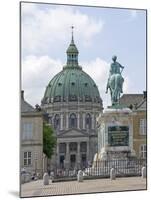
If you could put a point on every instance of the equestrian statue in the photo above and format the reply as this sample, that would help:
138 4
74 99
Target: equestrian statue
115 81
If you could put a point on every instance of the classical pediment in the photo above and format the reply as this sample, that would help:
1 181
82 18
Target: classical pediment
73 133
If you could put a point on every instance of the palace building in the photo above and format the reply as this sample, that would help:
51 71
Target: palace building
73 102
138 104
31 139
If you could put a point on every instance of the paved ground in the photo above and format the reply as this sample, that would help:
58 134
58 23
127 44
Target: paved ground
37 188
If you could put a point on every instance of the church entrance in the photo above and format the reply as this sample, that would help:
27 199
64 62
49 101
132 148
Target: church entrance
72 161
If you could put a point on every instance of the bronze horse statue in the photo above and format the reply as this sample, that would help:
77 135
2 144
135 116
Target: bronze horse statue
115 81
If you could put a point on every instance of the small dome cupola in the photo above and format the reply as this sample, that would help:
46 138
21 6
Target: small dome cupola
72 52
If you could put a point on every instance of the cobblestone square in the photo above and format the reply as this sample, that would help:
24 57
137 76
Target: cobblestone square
37 188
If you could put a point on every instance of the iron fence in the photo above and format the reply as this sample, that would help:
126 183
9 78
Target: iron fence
101 169
131 167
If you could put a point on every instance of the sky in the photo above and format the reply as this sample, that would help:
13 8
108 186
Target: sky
99 33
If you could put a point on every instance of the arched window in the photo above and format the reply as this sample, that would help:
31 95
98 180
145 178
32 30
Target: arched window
73 121
88 121
57 122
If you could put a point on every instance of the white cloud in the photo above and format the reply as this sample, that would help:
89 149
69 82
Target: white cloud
98 69
43 28
36 73
128 85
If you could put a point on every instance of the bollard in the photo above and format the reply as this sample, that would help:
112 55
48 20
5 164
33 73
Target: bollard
46 179
80 176
52 176
143 172
112 174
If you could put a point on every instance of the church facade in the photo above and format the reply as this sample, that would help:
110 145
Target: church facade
73 103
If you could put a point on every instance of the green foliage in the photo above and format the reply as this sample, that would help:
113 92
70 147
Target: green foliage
49 140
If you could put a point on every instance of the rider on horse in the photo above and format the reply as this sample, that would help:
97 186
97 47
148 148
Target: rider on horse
115 80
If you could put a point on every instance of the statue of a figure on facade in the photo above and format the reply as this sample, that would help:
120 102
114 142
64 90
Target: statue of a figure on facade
115 81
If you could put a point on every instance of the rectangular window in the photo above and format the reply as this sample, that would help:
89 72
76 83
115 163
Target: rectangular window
73 146
62 148
27 131
27 158
83 147
142 129
143 151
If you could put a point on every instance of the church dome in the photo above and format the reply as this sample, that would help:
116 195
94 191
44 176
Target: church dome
72 83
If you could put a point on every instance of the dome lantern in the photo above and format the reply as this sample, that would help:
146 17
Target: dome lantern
72 53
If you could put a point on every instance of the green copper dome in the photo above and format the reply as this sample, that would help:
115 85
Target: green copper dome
72 83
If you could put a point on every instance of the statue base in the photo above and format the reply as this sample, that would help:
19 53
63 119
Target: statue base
115 134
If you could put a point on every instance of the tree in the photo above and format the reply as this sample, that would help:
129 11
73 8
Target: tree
49 141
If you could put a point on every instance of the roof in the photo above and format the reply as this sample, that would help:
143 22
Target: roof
142 105
25 107
131 99
135 101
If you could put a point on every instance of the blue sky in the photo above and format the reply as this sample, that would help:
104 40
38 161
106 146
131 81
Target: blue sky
99 33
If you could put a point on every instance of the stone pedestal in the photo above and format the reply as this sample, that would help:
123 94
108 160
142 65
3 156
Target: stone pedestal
115 134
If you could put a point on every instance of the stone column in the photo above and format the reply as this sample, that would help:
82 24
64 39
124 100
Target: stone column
67 160
131 132
61 122
88 153
83 120
78 155
93 121
78 120
67 121
57 155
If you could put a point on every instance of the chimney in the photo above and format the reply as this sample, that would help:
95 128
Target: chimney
145 94
22 94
